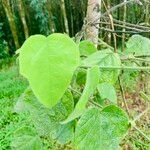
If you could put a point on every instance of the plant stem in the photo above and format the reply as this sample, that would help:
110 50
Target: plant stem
79 93
138 59
119 67
96 104
144 135
127 27
130 24
112 26
104 43
123 96
117 6
141 56
120 31
141 114
124 29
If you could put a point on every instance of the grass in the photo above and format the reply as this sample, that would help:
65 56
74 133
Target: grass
11 87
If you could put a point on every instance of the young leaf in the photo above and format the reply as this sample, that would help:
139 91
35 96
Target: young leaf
104 58
86 48
138 45
49 64
91 83
101 130
107 91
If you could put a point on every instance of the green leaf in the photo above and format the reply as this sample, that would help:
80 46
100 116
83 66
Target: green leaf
91 83
107 91
47 121
138 45
104 58
86 48
81 77
26 139
49 64
101 129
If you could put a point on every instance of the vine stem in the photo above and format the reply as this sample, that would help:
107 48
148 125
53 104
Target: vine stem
129 24
119 67
114 8
127 110
96 104
144 135
79 93
112 26
141 114
141 55
117 6
123 96
134 58
127 27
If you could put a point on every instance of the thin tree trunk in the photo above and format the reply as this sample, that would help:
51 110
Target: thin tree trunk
11 20
51 22
147 13
112 26
109 26
68 7
58 17
93 16
23 19
65 17
124 29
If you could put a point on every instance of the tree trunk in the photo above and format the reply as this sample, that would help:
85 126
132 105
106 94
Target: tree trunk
11 20
107 5
147 15
65 17
23 19
93 19
124 29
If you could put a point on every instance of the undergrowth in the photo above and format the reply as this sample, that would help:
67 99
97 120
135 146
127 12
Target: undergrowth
11 86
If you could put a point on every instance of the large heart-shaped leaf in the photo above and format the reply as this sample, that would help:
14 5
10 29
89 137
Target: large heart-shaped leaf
101 130
49 64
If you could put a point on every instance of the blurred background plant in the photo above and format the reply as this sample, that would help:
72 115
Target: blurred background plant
3 44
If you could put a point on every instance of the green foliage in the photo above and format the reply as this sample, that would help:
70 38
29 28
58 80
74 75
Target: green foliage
3 45
11 86
50 64
107 91
104 58
138 45
41 15
26 138
57 58
81 77
86 48
46 121
101 129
